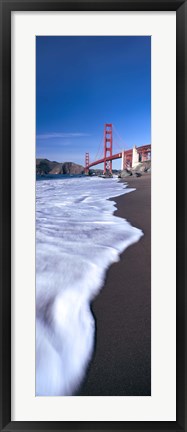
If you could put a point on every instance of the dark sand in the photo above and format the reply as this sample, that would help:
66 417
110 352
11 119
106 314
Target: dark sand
121 363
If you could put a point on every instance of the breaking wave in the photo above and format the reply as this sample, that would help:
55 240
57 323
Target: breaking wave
77 239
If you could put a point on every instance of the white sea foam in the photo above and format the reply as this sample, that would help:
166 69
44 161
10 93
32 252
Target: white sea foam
77 239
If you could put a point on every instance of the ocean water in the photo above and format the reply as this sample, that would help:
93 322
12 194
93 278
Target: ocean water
77 238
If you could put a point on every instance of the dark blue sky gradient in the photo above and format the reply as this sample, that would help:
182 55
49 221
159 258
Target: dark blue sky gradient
84 82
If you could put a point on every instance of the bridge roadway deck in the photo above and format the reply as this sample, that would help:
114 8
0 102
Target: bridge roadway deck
128 153
116 156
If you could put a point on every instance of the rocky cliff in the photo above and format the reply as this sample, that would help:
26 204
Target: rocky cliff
45 166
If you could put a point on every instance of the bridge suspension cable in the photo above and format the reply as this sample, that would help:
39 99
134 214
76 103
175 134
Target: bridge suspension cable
124 145
100 149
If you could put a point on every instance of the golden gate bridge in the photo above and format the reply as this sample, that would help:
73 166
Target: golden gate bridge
130 158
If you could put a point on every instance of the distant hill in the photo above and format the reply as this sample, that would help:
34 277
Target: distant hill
45 166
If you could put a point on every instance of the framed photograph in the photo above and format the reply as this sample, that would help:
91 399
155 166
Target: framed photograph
93 160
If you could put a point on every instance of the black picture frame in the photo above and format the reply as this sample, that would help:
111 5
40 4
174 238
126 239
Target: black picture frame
6 6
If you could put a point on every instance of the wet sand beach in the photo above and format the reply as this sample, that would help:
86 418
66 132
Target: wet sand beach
121 363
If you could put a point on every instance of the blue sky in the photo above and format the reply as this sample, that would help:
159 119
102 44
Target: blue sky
83 82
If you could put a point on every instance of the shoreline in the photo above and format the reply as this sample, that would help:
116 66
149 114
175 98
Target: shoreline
121 362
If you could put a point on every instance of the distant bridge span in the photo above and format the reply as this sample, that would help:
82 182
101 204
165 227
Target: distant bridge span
130 158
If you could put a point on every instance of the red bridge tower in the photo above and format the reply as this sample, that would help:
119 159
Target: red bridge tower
107 148
87 163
